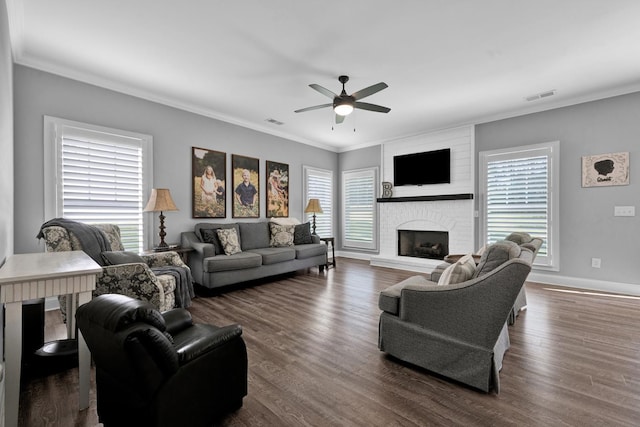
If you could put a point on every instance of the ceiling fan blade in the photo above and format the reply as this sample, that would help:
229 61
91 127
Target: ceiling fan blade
369 90
371 107
339 118
315 107
323 90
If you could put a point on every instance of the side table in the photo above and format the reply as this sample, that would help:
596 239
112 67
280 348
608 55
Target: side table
28 276
330 241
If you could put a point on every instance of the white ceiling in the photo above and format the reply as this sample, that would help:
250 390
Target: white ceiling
447 62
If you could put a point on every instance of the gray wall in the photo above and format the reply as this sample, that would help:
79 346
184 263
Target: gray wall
174 132
6 166
351 160
588 228
6 138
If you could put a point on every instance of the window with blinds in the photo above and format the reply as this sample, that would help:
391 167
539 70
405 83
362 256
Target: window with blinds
359 208
318 184
517 189
100 177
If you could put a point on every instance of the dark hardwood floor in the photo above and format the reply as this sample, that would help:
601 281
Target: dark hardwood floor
313 360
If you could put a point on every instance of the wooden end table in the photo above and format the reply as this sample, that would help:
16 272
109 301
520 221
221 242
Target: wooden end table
330 241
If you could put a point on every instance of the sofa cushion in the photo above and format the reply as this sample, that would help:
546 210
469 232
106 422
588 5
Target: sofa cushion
237 261
254 235
302 234
281 235
310 250
229 240
212 236
275 255
389 299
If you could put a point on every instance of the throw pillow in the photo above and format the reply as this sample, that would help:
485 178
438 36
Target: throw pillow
121 257
281 235
210 235
229 240
285 221
302 234
458 272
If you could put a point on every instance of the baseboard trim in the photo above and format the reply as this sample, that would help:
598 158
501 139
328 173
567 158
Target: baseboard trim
583 283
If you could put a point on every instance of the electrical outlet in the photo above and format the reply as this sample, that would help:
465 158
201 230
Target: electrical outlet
595 262
624 211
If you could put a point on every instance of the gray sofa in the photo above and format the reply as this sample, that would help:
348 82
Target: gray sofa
212 268
457 330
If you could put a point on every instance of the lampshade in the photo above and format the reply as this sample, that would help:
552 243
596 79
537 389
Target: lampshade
344 108
160 200
313 206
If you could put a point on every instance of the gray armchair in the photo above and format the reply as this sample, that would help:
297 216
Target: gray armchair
457 330
525 240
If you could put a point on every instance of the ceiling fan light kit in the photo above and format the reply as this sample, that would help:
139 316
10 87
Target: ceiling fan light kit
344 108
344 104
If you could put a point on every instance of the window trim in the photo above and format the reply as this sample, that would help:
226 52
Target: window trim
53 130
373 245
305 199
552 151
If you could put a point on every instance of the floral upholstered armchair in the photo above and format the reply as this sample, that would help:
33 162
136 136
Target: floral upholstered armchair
136 279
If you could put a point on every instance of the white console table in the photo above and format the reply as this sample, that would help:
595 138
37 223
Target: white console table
29 276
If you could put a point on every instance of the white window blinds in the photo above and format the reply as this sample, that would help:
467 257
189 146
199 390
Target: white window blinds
319 185
359 203
517 195
100 178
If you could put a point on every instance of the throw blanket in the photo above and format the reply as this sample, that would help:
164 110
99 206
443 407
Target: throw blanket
93 240
184 283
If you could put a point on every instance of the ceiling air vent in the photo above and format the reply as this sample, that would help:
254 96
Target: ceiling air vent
540 95
274 121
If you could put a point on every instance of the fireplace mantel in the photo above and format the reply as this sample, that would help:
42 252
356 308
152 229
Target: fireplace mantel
462 196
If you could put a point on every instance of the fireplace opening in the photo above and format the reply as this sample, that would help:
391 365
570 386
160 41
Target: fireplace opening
423 244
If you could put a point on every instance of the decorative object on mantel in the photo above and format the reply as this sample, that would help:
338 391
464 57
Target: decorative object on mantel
605 170
387 190
313 207
160 201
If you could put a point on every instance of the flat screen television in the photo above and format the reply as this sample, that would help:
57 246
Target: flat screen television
429 167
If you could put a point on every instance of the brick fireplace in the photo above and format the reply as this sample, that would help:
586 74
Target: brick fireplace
453 217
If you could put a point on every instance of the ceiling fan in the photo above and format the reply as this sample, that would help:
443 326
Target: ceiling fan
344 104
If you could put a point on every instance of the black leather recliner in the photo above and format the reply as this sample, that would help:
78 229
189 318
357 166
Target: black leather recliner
156 369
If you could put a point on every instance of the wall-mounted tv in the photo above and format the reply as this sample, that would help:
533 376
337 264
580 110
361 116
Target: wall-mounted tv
429 167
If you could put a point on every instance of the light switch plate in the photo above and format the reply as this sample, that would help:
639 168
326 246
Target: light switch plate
624 211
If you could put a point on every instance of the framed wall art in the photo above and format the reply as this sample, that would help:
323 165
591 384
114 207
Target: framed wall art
208 175
277 190
604 170
245 172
